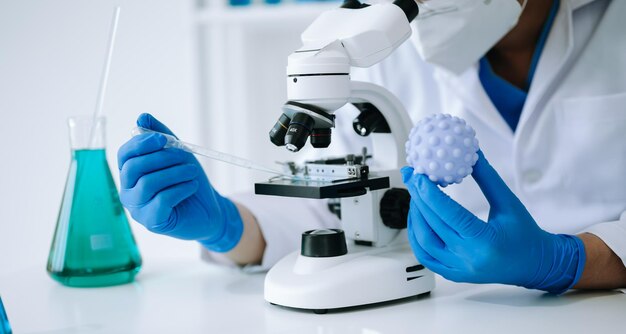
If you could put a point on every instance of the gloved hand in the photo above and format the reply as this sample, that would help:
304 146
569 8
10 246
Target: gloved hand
510 248
167 191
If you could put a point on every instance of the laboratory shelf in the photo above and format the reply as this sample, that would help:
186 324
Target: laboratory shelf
241 55
263 13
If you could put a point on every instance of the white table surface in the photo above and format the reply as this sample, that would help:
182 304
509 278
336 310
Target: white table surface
194 297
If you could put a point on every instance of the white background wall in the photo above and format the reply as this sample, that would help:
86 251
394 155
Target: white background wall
51 58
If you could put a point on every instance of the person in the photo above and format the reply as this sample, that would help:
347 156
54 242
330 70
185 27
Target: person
546 101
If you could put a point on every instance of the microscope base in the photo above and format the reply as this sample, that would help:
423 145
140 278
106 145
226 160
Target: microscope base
364 276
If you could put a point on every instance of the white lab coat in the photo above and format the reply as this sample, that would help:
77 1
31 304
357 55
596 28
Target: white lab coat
566 161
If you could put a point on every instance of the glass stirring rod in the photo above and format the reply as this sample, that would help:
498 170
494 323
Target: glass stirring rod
212 154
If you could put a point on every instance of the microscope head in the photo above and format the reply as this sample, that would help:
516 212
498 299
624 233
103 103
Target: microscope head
318 74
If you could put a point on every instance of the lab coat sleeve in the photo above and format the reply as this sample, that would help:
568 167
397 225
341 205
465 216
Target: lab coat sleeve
281 220
613 234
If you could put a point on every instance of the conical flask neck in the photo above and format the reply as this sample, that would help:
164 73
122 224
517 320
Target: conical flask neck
87 133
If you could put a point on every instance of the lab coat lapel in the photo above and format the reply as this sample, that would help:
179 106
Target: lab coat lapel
469 90
554 59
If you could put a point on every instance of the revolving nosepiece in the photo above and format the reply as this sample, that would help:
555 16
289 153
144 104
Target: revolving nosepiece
300 121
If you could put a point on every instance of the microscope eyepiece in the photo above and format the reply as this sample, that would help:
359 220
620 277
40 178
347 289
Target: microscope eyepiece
298 132
409 7
278 132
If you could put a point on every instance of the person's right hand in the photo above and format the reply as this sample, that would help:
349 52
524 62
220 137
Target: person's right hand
167 191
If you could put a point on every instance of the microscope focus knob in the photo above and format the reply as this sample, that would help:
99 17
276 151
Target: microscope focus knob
394 208
324 243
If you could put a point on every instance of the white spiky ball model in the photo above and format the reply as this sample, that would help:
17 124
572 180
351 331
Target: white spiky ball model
443 147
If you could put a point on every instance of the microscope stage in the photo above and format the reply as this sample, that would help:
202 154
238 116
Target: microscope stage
311 188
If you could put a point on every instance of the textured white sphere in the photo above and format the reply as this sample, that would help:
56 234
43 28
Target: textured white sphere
443 147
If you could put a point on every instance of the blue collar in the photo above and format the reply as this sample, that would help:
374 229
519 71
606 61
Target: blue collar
507 98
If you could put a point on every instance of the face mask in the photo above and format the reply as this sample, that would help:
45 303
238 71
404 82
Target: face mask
455 34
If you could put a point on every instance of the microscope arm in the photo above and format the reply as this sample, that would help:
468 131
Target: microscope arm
386 146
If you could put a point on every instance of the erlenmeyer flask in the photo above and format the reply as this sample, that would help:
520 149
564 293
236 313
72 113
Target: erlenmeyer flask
93 244
5 328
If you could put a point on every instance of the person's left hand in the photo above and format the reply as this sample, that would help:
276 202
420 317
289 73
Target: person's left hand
166 190
509 248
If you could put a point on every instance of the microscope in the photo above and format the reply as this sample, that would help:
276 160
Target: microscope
369 260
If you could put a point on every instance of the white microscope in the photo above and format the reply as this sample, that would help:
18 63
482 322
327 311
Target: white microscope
369 261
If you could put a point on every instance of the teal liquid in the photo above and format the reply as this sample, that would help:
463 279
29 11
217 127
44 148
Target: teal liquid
5 328
93 244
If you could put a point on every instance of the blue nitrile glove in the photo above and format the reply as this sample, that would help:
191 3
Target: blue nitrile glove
167 191
510 248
